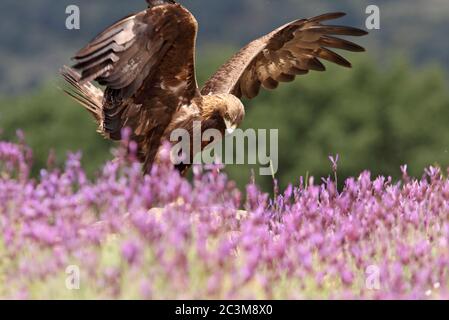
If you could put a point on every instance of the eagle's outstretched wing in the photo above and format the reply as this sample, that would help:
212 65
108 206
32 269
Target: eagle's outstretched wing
280 56
146 62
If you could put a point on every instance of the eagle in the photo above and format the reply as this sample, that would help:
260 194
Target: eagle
146 65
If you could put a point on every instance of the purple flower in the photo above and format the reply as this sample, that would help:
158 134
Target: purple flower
131 251
159 236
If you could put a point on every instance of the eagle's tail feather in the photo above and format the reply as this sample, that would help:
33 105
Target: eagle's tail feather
89 96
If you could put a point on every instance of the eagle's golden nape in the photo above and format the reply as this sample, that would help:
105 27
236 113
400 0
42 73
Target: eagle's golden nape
147 64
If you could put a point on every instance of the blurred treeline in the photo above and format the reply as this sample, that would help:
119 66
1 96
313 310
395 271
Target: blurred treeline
34 41
376 117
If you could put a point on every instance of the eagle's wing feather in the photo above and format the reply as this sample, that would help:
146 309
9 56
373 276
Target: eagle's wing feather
293 49
146 61
123 56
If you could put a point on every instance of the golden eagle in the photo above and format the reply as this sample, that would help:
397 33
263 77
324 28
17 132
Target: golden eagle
146 62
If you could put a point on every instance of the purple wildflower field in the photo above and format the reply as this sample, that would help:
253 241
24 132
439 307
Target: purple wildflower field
160 236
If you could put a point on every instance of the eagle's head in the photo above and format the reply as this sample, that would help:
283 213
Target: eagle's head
229 109
234 113
154 3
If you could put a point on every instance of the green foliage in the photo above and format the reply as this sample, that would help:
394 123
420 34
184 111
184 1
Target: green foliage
375 117
52 121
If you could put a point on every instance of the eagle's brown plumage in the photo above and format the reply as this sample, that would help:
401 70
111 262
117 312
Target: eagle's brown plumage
147 64
291 50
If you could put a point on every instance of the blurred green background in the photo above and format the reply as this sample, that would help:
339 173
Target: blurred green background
391 109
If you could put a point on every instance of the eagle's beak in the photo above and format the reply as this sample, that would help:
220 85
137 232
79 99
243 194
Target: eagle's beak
230 127
230 131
